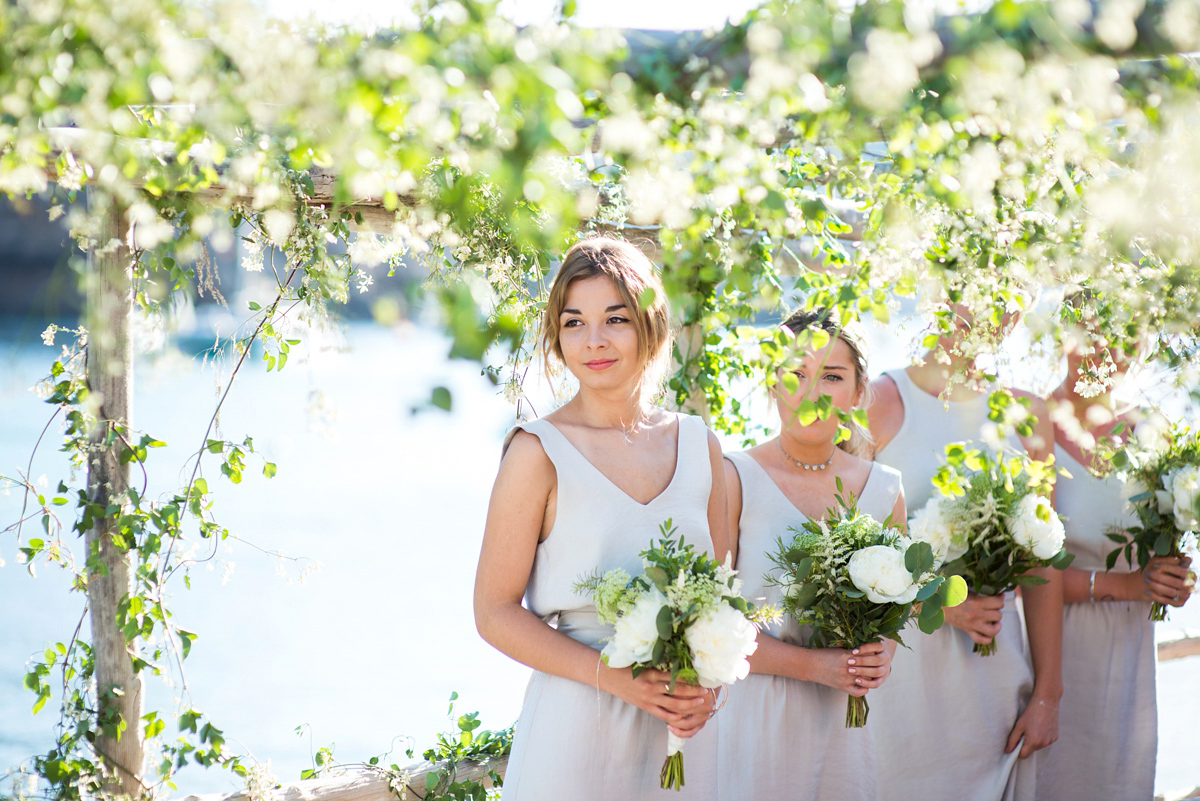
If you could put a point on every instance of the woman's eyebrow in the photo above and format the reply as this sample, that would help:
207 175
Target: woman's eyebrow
609 309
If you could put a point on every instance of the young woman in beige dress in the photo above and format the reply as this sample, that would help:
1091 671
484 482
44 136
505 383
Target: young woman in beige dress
585 489
1108 722
783 732
951 724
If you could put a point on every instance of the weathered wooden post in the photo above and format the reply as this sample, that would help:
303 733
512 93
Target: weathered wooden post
110 379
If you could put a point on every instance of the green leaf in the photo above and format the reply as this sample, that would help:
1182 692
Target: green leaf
918 559
665 623
269 470
440 397
931 623
954 591
806 595
802 569
659 576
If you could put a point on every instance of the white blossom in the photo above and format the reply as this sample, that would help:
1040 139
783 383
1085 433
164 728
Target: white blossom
1043 538
720 641
635 632
879 571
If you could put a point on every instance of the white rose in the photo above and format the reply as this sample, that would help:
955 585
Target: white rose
879 571
930 525
720 640
636 632
1184 490
1043 538
1166 495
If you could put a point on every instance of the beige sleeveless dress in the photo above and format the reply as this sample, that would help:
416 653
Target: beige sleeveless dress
1108 720
942 718
782 738
573 741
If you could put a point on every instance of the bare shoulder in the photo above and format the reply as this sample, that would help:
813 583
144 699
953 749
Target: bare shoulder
525 458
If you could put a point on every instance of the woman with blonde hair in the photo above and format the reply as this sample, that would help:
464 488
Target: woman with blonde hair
783 732
952 724
584 489
1108 735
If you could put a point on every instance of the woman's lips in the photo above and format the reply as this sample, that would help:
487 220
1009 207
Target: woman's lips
600 364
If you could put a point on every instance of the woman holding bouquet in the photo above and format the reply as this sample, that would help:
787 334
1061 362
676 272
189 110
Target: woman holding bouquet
582 490
953 724
1108 731
783 730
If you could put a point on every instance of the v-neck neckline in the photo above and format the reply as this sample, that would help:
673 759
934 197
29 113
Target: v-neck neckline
613 484
778 489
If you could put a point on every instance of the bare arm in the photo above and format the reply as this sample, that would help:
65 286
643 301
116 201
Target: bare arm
516 512
1163 580
1038 723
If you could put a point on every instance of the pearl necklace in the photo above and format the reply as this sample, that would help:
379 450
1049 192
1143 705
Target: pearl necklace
805 465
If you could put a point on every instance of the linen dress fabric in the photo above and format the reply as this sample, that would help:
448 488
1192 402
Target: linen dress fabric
781 737
943 717
573 741
1108 718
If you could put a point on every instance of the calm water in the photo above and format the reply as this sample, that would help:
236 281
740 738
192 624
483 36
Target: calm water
364 651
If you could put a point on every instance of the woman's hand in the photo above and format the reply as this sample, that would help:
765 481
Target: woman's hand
1164 580
979 616
853 671
1038 724
685 711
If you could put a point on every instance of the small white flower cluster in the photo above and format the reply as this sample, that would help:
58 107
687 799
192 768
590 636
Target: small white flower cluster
1180 496
933 525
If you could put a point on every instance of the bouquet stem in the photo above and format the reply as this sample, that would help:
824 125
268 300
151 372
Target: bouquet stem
986 648
1158 611
672 769
856 712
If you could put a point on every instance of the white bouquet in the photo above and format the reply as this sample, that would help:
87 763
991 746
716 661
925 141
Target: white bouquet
856 580
991 522
1167 502
684 616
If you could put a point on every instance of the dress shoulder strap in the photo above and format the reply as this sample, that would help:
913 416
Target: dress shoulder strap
692 464
880 492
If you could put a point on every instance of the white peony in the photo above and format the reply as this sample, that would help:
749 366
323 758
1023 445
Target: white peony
930 525
879 571
636 632
1185 489
720 640
1043 538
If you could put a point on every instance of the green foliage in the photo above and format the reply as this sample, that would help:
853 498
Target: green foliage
808 153
467 747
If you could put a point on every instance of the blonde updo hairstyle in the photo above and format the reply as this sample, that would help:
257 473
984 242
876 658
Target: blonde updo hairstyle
633 275
860 440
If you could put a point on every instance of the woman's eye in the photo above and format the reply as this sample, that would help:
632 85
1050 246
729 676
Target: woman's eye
833 377
574 322
615 319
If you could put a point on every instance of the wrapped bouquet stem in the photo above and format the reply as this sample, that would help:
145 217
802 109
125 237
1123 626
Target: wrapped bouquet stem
684 616
991 522
857 581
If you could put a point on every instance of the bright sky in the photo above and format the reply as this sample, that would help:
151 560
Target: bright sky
659 14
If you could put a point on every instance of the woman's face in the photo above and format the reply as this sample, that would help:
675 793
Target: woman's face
597 335
828 371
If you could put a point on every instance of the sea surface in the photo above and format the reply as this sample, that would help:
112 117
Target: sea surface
340 613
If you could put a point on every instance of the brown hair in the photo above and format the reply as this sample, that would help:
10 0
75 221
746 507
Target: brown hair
800 320
636 282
